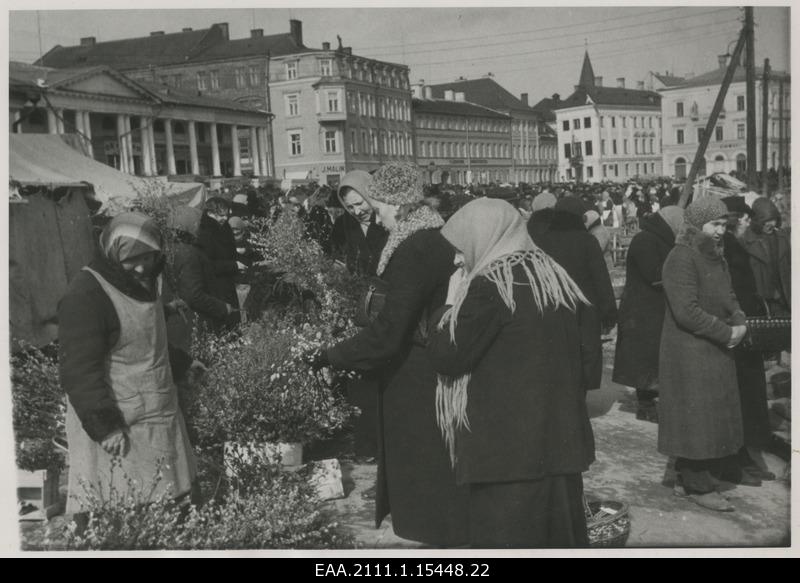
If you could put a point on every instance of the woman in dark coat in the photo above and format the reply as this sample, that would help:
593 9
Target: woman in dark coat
561 234
415 481
510 403
641 309
700 415
749 364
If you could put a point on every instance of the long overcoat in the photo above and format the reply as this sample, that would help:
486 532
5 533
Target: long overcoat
700 415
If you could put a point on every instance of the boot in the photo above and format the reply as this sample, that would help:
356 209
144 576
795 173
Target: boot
712 501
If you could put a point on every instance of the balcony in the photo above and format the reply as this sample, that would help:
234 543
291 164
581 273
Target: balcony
331 116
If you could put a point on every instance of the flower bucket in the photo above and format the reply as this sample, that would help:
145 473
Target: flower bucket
289 455
326 477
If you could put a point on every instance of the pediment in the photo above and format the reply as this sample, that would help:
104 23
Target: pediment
106 83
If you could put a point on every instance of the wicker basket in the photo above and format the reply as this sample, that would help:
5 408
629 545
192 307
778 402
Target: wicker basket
608 523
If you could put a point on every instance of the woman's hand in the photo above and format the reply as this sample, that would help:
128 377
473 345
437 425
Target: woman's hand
116 444
737 335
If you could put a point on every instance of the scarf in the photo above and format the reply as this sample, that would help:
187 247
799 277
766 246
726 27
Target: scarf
419 219
494 239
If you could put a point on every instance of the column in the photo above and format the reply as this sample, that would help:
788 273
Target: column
147 167
237 163
151 140
122 144
171 168
254 152
17 117
87 130
129 145
262 151
52 122
79 129
193 148
60 121
215 167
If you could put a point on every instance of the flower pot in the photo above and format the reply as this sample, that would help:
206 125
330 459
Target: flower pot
288 455
37 494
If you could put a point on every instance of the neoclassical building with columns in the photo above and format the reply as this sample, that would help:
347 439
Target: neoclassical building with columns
138 127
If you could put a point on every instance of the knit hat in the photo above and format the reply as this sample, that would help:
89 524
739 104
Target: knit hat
703 210
186 219
543 201
396 183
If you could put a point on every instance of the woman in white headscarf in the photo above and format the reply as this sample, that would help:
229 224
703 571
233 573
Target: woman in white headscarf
509 400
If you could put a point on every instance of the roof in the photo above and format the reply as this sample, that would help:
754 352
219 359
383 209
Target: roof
669 80
612 96
275 45
447 107
587 73
134 53
170 95
716 76
485 91
546 108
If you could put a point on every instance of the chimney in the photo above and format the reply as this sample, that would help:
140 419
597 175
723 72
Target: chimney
428 92
556 98
88 41
448 95
157 33
257 33
348 51
723 61
223 27
187 29
326 46
460 96
523 97
416 91
621 82
296 30
598 81
640 85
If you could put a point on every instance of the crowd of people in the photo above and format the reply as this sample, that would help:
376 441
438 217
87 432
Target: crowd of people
476 362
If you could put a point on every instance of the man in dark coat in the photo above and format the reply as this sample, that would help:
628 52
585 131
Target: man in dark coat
641 310
561 234
215 238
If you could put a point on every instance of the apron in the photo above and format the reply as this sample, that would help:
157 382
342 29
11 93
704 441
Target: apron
140 377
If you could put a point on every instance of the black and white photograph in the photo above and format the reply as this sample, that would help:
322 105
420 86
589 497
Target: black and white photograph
395 280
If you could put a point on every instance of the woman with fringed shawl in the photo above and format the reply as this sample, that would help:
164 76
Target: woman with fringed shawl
509 399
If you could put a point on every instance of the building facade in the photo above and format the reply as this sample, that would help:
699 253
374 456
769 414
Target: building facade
458 142
687 106
608 133
134 126
534 155
336 112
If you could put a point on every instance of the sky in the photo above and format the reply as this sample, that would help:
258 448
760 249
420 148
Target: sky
532 49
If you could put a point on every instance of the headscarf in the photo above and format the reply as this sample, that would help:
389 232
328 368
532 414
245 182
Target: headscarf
543 201
493 238
673 216
357 180
764 210
129 235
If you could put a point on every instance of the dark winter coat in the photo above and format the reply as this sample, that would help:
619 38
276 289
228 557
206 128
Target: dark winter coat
700 414
358 251
749 365
416 483
760 262
526 405
218 244
562 235
641 309
194 274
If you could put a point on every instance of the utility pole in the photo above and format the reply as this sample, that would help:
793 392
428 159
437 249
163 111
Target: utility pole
764 127
781 135
750 68
712 121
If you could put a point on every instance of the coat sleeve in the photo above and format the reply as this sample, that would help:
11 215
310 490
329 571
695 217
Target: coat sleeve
87 330
480 319
606 302
681 284
643 256
415 275
189 273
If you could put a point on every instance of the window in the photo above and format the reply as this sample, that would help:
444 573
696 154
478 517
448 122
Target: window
291 70
240 77
679 109
588 146
565 125
718 133
374 137
652 167
587 122
333 101
577 151
625 146
202 81
602 122
331 142
589 172
295 143
602 148
680 169
616 170
635 124
637 169
576 124
613 145
214 76
292 105
740 131
605 171
652 142
627 170
624 121
701 132
364 142
353 142
567 151
679 137
635 145
326 68
741 163
254 80
740 103
613 123
650 122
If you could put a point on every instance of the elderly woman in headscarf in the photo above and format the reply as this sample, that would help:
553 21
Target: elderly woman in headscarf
510 402
641 309
115 368
415 481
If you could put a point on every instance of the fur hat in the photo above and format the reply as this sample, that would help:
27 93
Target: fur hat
737 204
703 210
396 183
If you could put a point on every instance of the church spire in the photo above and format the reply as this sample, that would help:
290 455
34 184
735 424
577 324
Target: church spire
587 73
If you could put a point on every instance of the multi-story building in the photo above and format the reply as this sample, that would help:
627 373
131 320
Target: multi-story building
458 142
135 126
686 107
534 154
336 112
608 133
